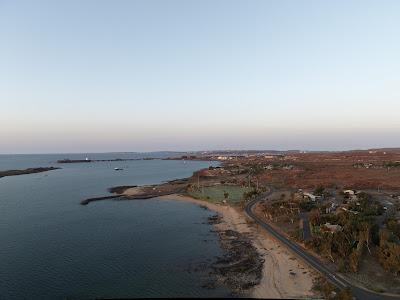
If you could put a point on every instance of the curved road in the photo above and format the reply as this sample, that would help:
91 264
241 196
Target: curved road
358 292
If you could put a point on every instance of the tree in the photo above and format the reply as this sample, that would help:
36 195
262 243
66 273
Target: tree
314 217
354 259
250 194
375 234
388 253
319 191
364 235
341 245
345 294
389 257
326 246
393 226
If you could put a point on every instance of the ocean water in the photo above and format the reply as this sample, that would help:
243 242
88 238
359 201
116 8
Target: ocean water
51 247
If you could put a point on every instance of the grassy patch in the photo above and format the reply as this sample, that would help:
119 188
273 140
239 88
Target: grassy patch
378 290
216 194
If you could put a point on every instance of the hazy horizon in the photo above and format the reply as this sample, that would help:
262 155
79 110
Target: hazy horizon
204 150
141 76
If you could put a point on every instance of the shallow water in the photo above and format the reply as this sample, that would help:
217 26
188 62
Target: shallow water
51 247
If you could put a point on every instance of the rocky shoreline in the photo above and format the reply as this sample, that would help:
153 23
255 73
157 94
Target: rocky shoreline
252 264
241 266
87 201
177 186
26 171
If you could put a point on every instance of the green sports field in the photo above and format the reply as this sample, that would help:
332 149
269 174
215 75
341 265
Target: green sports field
215 194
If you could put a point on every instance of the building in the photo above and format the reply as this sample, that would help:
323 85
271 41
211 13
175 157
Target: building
350 211
331 208
332 227
349 192
288 167
222 157
311 197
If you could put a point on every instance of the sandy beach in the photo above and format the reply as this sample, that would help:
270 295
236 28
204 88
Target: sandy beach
284 276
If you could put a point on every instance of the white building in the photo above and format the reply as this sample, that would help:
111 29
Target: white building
333 228
311 196
349 192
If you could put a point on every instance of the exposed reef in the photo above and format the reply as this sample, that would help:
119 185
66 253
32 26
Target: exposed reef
241 266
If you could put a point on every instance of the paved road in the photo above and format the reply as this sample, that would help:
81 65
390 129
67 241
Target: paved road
359 293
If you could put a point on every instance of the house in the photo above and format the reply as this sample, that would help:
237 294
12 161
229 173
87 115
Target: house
331 208
349 192
351 195
332 227
311 197
288 167
350 211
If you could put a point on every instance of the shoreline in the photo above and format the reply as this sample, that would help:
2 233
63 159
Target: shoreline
254 264
77 161
283 275
132 192
26 171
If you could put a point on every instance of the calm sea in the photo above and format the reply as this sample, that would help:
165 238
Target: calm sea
51 247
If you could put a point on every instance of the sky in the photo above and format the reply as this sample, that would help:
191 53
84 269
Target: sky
101 76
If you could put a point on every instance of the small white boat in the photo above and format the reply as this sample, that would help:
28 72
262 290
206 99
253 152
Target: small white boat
118 169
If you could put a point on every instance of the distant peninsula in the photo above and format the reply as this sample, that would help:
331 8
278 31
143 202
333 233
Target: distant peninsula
87 160
26 171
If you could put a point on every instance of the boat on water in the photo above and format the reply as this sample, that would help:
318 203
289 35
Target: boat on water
118 169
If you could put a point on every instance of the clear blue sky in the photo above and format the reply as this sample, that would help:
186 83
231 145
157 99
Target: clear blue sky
185 75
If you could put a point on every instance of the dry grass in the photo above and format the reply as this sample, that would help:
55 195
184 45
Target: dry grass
336 170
